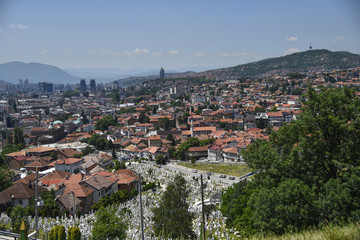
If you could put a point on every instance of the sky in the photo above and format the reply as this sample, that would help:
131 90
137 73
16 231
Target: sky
175 34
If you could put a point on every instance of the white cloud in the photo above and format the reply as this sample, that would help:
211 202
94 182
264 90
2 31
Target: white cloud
173 52
156 54
199 54
292 39
137 51
45 51
338 38
19 26
106 53
291 50
140 51
235 54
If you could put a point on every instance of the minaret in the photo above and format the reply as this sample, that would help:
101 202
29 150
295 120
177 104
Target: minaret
128 131
192 124
192 127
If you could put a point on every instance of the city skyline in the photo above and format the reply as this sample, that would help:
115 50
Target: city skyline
174 35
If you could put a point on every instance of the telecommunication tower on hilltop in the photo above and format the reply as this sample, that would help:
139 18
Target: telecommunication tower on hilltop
310 47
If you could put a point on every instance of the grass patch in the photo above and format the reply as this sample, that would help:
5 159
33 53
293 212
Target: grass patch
330 232
228 169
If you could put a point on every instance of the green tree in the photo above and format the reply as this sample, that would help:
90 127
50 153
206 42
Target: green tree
171 138
172 218
18 136
113 154
160 159
108 225
57 233
17 214
190 142
307 174
185 116
259 109
6 176
87 150
143 118
208 141
171 151
165 123
74 233
104 123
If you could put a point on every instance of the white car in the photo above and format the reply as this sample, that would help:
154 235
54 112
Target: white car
194 171
222 176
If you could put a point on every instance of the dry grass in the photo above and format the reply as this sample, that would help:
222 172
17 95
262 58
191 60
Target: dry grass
228 169
348 232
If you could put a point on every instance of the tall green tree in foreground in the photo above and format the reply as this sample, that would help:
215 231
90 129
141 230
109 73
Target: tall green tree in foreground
307 174
57 233
172 218
108 225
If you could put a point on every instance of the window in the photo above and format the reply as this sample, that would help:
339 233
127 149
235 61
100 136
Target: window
20 201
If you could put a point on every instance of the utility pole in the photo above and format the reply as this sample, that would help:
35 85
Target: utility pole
73 194
141 210
202 208
36 203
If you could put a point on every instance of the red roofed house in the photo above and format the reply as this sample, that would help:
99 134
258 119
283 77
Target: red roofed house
17 162
197 152
17 194
231 154
70 165
154 141
215 153
83 193
66 153
53 178
127 179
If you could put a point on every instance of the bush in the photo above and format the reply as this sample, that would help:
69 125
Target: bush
74 233
55 213
134 192
9 210
57 233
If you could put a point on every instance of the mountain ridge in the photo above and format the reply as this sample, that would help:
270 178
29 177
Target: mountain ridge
34 72
307 61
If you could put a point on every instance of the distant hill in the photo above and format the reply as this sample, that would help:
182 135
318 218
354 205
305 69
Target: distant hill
35 72
308 61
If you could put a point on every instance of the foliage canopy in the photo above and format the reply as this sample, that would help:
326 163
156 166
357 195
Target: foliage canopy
307 174
172 218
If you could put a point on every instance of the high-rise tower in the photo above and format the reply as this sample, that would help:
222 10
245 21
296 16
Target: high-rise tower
162 73
83 86
92 85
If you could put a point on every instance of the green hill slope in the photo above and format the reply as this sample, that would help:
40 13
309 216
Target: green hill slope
308 61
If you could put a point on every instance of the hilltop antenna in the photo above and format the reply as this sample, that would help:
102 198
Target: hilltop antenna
310 47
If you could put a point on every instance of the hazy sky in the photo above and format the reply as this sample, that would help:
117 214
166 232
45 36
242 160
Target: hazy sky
174 34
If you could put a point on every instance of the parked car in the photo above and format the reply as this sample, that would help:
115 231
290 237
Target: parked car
232 178
222 176
208 173
194 171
